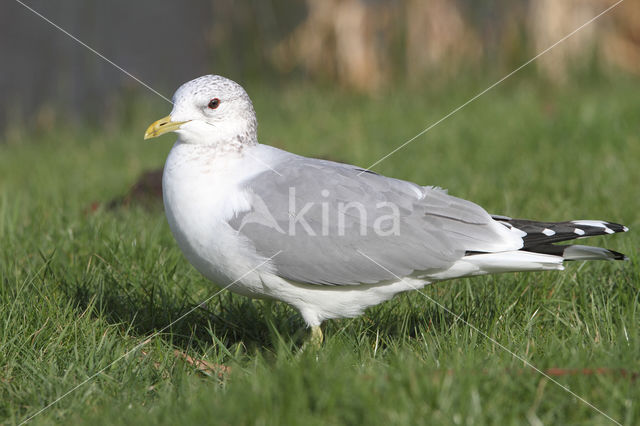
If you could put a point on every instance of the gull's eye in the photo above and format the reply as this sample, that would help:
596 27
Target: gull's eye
214 103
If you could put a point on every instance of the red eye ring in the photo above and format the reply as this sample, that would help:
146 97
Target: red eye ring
214 103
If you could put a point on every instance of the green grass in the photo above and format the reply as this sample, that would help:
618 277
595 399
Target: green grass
79 288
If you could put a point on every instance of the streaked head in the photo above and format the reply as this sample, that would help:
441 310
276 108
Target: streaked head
209 110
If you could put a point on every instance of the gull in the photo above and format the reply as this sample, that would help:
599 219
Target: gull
329 239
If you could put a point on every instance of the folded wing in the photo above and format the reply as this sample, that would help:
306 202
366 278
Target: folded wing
323 216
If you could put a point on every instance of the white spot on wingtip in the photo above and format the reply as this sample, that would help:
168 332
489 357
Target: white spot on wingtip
548 232
579 231
625 229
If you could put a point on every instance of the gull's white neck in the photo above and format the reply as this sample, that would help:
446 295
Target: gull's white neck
198 177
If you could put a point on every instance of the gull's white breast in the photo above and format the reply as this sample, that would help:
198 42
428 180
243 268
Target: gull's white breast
201 192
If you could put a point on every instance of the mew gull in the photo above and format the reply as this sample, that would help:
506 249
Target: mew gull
327 238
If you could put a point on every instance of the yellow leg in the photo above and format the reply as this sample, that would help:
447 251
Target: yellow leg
316 336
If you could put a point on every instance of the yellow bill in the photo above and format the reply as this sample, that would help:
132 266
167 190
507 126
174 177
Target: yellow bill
162 126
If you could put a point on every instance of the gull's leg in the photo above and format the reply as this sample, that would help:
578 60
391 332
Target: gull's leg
314 342
316 336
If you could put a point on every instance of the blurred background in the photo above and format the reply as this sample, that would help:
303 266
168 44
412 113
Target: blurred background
88 265
360 46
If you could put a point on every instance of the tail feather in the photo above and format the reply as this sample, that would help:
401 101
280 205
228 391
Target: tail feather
577 252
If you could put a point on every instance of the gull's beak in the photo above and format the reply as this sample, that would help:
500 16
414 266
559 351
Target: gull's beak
162 126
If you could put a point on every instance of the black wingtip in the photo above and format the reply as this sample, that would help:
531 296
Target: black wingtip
618 255
616 227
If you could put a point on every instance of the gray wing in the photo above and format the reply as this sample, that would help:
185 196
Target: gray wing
325 216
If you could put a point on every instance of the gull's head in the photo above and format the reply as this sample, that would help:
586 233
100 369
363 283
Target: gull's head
210 110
